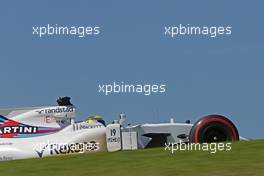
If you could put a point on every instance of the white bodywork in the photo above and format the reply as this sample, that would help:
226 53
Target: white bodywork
53 144
47 131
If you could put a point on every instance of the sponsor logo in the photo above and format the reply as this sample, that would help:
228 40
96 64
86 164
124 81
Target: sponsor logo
114 139
77 127
11 129
18 129
50 119
57 149
55 110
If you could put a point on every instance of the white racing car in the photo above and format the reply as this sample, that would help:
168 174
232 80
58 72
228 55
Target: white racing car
45 131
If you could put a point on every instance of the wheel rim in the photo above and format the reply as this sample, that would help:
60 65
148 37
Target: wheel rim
215 134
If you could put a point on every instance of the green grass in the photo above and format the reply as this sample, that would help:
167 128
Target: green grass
245 158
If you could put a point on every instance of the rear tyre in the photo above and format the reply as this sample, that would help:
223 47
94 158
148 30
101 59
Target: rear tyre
213 128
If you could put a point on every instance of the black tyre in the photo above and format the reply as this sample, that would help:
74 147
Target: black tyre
213 128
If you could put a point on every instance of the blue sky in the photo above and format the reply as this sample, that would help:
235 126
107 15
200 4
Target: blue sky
203 75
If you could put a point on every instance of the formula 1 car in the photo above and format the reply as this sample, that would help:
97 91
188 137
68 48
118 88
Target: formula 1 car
46 131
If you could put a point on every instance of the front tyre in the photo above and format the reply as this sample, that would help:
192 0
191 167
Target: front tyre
213 128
